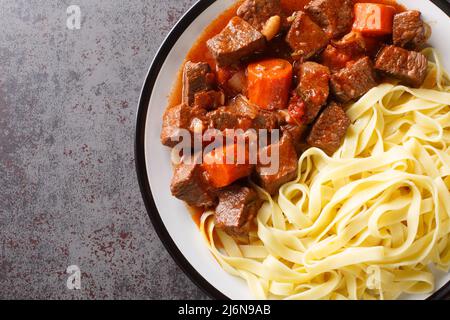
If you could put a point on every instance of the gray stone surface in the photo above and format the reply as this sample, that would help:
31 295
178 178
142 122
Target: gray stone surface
68 188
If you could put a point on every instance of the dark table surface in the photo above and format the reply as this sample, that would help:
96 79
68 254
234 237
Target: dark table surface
68 188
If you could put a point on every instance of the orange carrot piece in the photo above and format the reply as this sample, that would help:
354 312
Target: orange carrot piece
220 173
373 19
269 83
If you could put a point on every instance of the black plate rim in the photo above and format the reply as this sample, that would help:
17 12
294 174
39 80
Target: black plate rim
140 163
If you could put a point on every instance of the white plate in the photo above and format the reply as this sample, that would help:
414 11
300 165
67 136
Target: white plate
170 217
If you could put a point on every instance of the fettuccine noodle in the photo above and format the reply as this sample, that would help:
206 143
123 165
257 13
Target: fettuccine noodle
367 223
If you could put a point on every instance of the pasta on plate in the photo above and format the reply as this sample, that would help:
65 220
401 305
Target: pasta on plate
371 221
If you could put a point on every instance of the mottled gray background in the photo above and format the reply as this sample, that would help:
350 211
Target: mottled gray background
68 188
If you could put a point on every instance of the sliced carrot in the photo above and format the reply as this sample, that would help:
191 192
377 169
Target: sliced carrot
219 172
373 19
269 83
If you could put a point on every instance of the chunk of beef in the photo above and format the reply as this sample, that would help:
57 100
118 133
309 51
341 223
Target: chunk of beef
298 136
354 81
279 48
313 88
296 110
334 16
208 100
410 31
188 185
329 129
257 12
238 206
174 119
197 77
261 119
226 118
236 41
408 66
283 151
305 37
242 114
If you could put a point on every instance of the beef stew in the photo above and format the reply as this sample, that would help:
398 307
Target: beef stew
289 71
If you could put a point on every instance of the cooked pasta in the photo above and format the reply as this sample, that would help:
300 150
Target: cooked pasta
371 221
